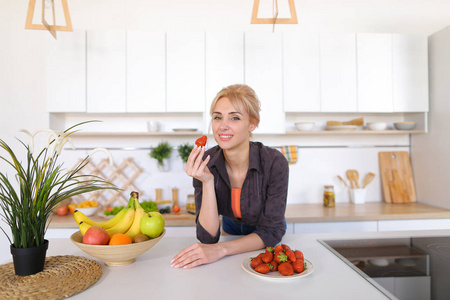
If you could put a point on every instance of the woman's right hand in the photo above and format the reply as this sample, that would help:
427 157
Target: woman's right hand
196 166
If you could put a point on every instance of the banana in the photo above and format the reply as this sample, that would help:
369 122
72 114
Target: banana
123 224
135 227
84 227
80 217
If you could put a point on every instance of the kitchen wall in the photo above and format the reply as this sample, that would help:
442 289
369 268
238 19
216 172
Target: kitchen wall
430 151
23 94
320 160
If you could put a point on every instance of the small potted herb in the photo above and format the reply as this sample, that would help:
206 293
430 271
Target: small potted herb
184 150
42 185
162 154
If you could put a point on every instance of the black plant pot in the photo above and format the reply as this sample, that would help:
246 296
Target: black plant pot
29 261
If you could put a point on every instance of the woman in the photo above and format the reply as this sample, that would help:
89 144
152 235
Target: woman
245 182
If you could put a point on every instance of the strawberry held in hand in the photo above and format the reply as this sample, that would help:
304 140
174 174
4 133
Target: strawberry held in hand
201 141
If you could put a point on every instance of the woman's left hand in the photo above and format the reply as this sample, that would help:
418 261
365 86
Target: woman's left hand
196 255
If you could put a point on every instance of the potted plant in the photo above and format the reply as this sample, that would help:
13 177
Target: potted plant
184 150
162 154
42 184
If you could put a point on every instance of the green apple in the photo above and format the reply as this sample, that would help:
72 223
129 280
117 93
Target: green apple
152 224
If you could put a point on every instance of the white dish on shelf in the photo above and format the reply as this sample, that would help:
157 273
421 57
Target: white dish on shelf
341 127
304 126
153 126
404 125
377 125
246 265
184 129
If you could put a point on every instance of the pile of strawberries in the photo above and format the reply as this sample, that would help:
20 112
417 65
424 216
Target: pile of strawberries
281 258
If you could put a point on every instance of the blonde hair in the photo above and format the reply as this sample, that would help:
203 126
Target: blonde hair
243 98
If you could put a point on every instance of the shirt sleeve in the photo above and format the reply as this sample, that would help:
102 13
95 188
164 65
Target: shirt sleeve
202 234
272 225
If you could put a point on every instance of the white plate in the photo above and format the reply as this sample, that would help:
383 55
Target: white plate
246 265
341 127
184 129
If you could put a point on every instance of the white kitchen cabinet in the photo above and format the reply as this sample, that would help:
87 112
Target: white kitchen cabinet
374 61
338 72
185 71
106 71
412 288
224 64
426 224
66 72
146 71
410 72
320 227
60 233
263 72
181 231
301 72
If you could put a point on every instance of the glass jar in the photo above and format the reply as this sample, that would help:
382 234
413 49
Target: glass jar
190 204
328 196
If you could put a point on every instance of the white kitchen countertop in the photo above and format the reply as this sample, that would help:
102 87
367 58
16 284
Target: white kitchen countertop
152 276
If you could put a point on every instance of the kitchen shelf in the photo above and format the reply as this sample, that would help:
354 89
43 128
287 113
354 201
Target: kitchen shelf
355 132
159 133
195 133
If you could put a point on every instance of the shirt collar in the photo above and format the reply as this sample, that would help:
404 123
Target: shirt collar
254 157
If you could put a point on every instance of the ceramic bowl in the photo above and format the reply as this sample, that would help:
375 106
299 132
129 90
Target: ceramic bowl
117 255
377 125
381 262
164 204
88 211
404 125
304 126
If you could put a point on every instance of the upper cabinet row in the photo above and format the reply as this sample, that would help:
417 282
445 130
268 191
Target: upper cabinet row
355 73
140 71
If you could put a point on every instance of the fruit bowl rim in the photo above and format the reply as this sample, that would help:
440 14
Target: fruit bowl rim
116 246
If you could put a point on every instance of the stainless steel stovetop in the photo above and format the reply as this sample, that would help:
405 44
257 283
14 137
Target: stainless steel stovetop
402 268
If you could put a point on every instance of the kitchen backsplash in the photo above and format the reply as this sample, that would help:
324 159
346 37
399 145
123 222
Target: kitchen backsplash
320 160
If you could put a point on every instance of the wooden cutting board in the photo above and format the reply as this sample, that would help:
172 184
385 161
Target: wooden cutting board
398 189
403 189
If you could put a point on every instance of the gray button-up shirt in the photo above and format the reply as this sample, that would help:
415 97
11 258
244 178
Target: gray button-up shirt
263 193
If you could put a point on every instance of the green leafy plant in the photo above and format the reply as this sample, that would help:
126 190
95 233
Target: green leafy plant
161 152
184 150
42 184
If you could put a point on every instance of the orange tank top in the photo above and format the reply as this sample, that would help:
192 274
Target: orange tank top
236 202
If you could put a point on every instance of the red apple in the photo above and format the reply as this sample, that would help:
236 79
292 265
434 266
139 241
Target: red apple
96 235
152 224
62 211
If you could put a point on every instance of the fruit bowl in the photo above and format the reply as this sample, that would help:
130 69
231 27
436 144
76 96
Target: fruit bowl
118 255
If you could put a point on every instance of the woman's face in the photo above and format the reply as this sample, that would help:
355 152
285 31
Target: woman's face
231 127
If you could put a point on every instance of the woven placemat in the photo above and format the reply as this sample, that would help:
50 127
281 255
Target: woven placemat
62 277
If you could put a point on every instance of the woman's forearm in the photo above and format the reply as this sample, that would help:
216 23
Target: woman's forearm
209 216
250 242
